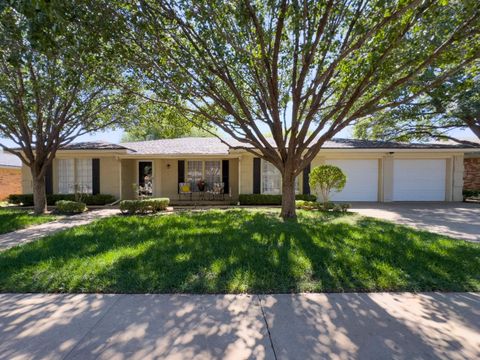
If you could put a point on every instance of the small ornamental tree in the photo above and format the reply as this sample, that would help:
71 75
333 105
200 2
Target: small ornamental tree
326 178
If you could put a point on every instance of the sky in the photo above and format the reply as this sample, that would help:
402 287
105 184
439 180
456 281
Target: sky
115 136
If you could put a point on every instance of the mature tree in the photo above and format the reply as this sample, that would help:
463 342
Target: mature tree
55 81
455 104
303 69
155 121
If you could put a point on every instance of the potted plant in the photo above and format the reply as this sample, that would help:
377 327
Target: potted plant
201 185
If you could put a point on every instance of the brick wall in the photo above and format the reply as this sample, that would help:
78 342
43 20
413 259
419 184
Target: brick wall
10 182
471 176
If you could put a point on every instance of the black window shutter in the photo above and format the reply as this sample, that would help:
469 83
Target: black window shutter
95 176
49 180
256 175
181 173
306 184
225 175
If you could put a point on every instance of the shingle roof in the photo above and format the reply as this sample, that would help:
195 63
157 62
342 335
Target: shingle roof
376 144
213 146
94 145
188 145
9 160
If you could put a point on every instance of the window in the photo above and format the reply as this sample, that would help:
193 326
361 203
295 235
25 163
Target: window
212 173
74 175
194 173
84 175
272 180
66 182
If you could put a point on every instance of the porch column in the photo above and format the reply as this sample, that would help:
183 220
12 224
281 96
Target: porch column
120 178
239 175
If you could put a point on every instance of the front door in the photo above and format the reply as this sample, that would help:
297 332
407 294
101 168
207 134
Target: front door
145 178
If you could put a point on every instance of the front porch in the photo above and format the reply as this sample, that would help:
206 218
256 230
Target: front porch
195 181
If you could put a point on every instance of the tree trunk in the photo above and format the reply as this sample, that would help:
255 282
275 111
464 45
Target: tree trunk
288 197
39 194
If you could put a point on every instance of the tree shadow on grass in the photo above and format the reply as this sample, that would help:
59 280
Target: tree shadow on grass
240 251
11 220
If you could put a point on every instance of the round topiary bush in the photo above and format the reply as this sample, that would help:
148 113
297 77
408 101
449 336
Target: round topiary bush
327 178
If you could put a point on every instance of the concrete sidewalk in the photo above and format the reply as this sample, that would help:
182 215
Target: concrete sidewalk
303 326
36 232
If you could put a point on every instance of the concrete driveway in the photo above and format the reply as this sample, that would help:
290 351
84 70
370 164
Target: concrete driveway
455 219
297 326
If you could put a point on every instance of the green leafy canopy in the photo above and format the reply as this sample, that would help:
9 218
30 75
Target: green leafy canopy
327 178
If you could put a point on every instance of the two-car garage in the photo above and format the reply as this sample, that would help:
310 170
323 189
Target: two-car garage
409 179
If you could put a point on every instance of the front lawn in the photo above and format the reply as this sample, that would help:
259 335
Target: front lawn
241 251
11 219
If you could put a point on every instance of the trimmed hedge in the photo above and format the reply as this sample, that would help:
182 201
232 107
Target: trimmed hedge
471 194
27 199
70 207
144 206
264 199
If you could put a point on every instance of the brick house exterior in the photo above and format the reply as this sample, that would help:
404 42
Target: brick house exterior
471 177
10 175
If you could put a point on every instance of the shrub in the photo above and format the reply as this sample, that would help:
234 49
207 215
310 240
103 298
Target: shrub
341 207
306 205
471 194
144 206
264 199
70 207
27 199
21 199
305 197
99 199
326 206
326 178
313 205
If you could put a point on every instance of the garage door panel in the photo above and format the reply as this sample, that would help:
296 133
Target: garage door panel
362 180
419 180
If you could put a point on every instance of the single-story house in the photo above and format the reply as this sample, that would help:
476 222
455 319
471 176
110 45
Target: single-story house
471 177
376 170
10 175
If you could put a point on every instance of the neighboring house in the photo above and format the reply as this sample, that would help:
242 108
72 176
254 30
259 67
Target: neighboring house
376 171
10 175
471 177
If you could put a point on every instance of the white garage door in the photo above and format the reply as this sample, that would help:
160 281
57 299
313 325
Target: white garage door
419 180
362 180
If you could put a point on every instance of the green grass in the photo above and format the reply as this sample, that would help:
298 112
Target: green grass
12 219
239 251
